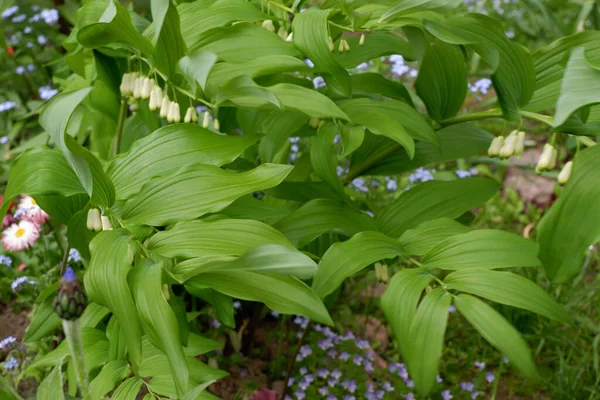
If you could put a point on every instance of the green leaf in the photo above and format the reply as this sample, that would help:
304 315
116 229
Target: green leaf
197 391
421 239
399 303
197 18
244 92
198 345
308 101
244 42
169 46
110 375
40 171
442 80
311 35
79 235
579 87
195 190
44 321
485 248
352 137
433 200
222 237
106 283
278 127
284 294
411 6
347 258
364 109
267 258
316 217
158 320
197 66
377 44
222 304
572 224
93 314
170 148
261 66
456 141
129 389
428 329
55 118
117 348
323 158
496 330
506 288
371 83
101 24
513 76
51 388
62 208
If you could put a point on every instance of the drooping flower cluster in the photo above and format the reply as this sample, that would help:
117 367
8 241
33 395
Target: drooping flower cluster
97 222
513 144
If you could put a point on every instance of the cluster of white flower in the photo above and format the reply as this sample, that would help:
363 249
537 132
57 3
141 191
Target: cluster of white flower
97 222
513 144
547 162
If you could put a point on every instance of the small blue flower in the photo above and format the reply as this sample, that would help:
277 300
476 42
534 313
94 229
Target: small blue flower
475 394
331 397
20 70
462 174
324 391
49 16
303 370
336 374
237 305
11 364
9 12
19 18
310 378
332 353
409 383
74 255
357 360
332 382
344 356
27 30
215 323
479 364
451 309
303 384
421 175
300 394
362 344
325 344
349 397
6 260
446 395
309 63
490 377
319 82
322 373
41 39
8 343
47 92
387 387
467 386
291 381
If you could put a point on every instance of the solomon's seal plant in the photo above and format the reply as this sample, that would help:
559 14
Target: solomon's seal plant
256 198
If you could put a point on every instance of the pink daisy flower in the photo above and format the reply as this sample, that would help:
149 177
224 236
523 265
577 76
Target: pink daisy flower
32 211
20 236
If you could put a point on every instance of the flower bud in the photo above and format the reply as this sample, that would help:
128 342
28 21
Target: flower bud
330 43
362 40
346 45
147 85
268 25
520 143
106 225
314 122
176 112
70 301
188 115
341 46
164 107
206 120
124 87
216 124
545 160
553 159
155 98
290 36
282 32
381 272
90 220
495 146
137 87
508 147
93 220
565 173
194 115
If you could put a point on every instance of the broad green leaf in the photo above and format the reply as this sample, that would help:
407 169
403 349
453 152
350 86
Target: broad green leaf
376 44
102 23
456 141
364 109
352 137
320 216
381 124
506 288
93 314
514 74
278 127
344 259
223 72
51 388
197 19
62 208
244 42
303 191
419 240
427 330
442 80
79 235
117 348
324 159
573 222
43 322
485 248
195 190
271 259
198 345
222 237
40 171
106 283
399 303
411 6
311 33
369 84
110 375
222 304
158 320
129 389
497 330
170 148
308 101
197 391
433 200
197 66
169 46
244 92
579 87
284 294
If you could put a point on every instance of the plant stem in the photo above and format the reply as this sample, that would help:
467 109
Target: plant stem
120 124
73 334
292 361
370 163
63 264
493 113
56 236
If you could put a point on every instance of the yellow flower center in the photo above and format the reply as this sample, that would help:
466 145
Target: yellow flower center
20 232
33 202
